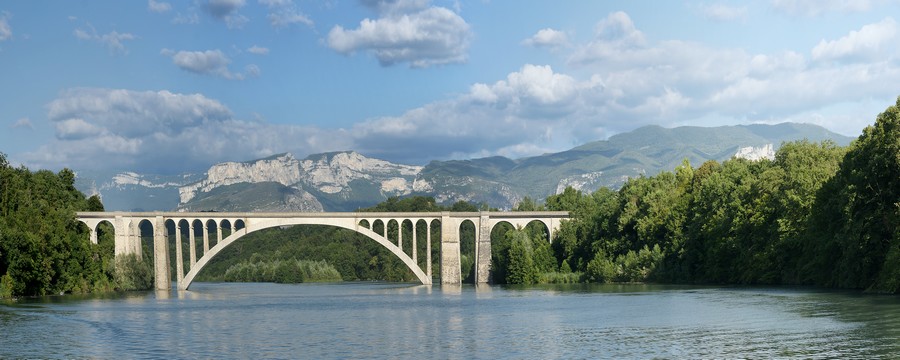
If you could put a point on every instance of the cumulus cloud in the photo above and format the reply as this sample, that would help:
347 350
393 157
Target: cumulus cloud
5 29
209 62
547 38
864 43
722 12
406 32
114 41
227 11
163 132
158 6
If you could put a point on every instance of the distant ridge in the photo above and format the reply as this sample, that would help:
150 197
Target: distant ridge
346 180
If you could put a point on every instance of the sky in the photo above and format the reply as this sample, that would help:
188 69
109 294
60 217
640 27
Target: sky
168 87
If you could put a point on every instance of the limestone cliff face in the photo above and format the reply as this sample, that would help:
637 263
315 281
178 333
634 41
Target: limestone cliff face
281 169
343 175
333 173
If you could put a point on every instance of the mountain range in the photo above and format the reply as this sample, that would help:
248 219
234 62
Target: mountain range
346 181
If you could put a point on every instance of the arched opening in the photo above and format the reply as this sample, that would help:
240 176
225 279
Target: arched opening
378 227
365 223
538 231
500 244
183 230
196 233
467 238
435 248
239 224
406 235
145 244
393 232
225 225
214 232
103 252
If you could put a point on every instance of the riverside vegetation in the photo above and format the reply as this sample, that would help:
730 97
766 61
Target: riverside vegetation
44 250
817 214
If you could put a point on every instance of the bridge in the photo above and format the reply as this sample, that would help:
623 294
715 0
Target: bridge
231 226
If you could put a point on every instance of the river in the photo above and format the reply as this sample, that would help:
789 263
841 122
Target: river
389 320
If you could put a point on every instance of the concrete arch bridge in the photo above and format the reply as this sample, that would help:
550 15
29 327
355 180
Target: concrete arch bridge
229 227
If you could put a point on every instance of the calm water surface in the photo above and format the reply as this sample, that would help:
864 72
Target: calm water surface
383 320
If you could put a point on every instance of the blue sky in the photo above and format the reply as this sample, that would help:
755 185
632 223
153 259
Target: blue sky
175 86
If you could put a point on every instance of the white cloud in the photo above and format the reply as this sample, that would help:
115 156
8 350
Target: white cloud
258 50
134 113
547 38
158 6
407 34
209 62
674 82
114 41
817 7
23 123
722 12
283 13
163 132
865 43
5 29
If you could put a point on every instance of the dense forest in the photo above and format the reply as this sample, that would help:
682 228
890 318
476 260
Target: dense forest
44 250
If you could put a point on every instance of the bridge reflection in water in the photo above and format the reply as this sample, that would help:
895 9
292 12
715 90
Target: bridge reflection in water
127 227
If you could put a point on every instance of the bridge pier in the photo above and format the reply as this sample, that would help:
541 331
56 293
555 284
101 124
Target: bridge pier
161 255
451 273
483 250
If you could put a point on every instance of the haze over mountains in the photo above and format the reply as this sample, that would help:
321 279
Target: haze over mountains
346 181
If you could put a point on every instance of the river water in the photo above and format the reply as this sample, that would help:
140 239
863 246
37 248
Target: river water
387 320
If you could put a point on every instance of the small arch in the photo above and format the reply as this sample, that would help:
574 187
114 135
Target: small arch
238 225
378 226
500 245
365 223
197 232
214 231
393 232
435 244
226 227
468 236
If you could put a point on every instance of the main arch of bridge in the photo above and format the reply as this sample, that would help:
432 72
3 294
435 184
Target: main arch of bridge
128 233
